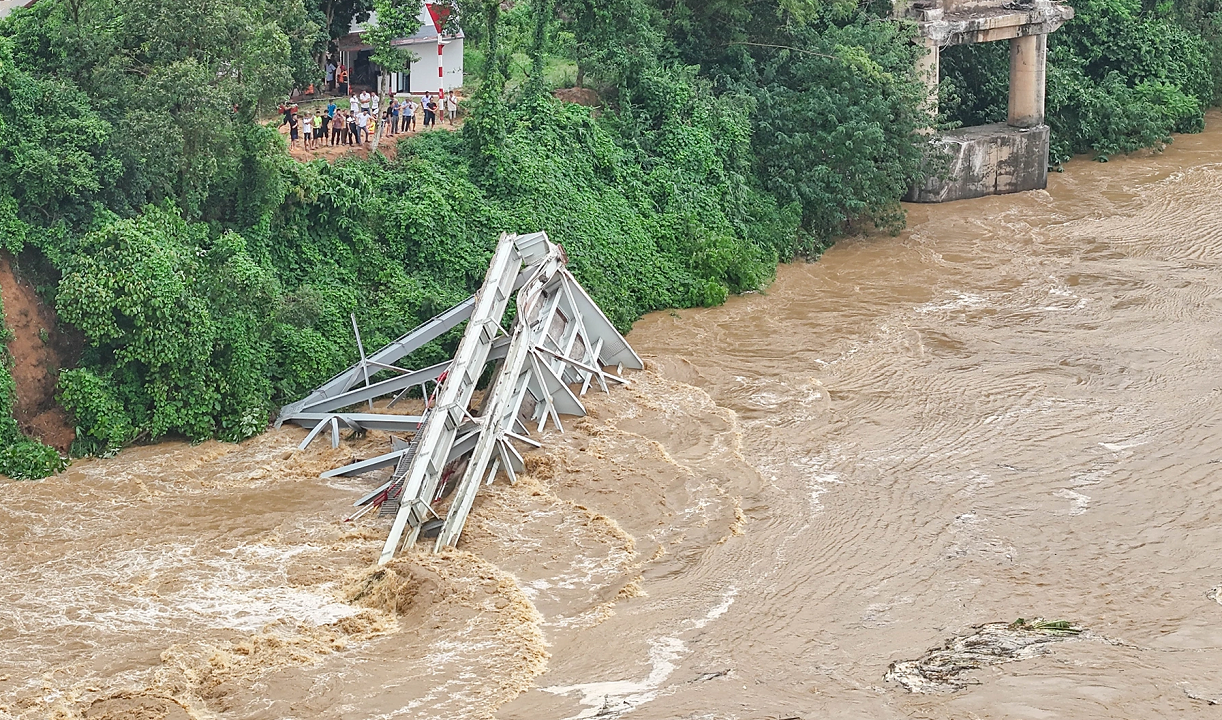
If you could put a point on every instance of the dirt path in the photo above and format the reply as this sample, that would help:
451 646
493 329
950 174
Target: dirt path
38 352
387 146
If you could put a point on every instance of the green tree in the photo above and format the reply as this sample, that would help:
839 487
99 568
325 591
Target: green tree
837 126
176 318
179 82
614 39
335 18
1118 80
395 19
53 159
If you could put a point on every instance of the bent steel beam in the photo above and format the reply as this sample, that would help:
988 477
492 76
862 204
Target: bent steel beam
559 345
439 431
403 381
504 401
582 342
385 357
362 421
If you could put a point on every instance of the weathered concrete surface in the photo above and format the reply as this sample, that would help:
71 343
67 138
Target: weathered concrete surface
987 160
987 20
992 159
1028 58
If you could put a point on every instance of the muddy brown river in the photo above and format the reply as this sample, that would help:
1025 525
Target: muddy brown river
1012 410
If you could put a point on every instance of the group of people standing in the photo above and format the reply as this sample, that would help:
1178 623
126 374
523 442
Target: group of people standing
365 110
337 77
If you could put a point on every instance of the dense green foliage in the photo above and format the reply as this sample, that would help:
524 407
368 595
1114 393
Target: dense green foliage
1119 79
178 332
212 277
331 19
836 128
145 100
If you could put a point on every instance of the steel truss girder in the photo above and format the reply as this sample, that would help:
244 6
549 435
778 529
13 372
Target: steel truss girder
390 386
552 293
560 341
362 421
462 446
520 366
439 431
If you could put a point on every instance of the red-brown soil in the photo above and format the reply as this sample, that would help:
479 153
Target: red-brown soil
579 95
387 146
38 350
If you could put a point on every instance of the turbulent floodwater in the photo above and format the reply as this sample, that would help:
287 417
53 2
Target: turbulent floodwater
1014 409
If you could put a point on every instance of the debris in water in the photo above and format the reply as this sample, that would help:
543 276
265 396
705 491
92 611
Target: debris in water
559 345
1215 594
943 669
1207 700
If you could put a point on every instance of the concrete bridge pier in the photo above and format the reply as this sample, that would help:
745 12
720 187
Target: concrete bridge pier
1003 157
928 69
1028 59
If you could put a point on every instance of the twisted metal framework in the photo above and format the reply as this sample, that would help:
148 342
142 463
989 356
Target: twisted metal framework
559 345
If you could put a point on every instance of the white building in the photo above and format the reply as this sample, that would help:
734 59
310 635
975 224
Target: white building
438 63
7 6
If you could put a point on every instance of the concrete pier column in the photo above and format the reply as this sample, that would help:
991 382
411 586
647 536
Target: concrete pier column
1028 58
927 71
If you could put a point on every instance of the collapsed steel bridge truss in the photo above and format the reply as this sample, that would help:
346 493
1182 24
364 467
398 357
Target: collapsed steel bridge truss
558 347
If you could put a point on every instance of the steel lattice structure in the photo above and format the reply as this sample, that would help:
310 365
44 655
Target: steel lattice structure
559 345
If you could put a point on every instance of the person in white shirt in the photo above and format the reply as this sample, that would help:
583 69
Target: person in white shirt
451 107
362 127
354 105
364 101
307 131
373 103
409 115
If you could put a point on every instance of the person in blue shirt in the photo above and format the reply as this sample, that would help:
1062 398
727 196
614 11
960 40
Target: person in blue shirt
331 109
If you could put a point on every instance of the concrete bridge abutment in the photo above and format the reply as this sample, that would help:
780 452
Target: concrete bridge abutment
989 159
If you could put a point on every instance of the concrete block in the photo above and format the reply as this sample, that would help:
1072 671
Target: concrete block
985 160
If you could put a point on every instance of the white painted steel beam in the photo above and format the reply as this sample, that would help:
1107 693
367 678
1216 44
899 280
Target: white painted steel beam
549 312
504 400
400 348
559 345
360 421
439 432
407 379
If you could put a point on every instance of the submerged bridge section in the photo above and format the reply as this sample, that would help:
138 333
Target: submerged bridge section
558 346
1004 157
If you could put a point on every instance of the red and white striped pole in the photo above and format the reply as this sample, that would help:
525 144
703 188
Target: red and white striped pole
441 76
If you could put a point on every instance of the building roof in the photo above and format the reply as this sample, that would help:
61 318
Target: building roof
431 18
7 6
